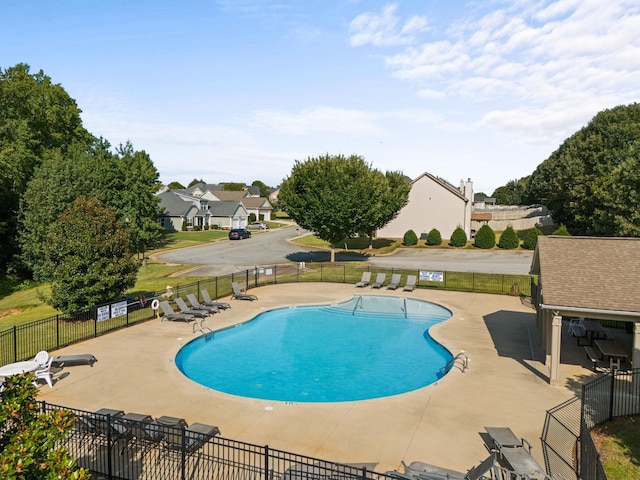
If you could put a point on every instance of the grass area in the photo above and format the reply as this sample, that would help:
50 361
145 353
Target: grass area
618 442
356 244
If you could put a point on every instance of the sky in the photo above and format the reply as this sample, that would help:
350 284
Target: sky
239 90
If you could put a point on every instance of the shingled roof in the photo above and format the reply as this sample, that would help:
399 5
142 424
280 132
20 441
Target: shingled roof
589 272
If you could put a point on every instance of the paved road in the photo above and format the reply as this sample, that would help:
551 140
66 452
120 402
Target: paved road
271 247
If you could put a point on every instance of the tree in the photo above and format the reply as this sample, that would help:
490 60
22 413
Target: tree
88 253
233 187
410 238
562 231
195 181
434 238
30 439
509 239
264 189
336 196
531 238
36 117
458 238
591 183
485 237
511 193
175 186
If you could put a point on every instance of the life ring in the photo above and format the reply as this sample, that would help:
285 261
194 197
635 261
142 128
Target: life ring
155 304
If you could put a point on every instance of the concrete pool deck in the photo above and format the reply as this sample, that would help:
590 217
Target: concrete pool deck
505 385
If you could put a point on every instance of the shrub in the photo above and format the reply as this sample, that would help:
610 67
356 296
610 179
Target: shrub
562 231
252 217
206 227
434 237
184 226
458 238
509 239
410 238
531 239
196 228
485 238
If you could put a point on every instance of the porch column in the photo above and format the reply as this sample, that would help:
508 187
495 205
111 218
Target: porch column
635 353
556 333
546 336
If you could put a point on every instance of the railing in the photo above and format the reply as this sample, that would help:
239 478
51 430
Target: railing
128 453
24 341
566 437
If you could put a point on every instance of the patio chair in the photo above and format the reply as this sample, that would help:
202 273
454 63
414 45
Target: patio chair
143 427
44 372
107 424
41 357
411 283
239 295
176 430
73 360
184 309
366 279
169 314
395 281
206 300
379 283
199 306
514 453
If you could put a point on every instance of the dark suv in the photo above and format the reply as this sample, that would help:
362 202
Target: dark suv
239 234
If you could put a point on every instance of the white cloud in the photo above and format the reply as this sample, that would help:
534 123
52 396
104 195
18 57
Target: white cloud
385 29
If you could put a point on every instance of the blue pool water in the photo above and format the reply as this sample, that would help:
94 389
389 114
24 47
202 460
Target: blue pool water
369 347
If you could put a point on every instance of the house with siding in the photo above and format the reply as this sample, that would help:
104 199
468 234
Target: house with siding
250 198
181 208
433 203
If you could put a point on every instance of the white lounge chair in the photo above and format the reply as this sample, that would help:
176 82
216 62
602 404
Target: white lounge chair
239 295
366 279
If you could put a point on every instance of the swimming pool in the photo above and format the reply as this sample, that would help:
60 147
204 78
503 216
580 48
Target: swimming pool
368 347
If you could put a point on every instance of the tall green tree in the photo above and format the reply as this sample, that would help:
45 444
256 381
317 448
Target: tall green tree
89 257
264 189
591 183
233 187
30 439
336 196
175 186
137 202
512 193
36 117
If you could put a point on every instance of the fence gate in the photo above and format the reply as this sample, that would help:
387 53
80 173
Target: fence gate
560 439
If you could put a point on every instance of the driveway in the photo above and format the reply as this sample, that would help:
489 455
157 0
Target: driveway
272 248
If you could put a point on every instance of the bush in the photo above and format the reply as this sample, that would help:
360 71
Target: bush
410 238
206 227
184 226
196 228
252 217
485 238
509 239
458 238
562 231
531 239
434 237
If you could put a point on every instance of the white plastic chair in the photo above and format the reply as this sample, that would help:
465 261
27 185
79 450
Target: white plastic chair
42 357
45 372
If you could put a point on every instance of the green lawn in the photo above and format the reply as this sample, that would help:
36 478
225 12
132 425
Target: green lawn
618 442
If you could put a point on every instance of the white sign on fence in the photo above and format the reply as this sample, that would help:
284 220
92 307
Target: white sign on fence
119 309
432 276
103 313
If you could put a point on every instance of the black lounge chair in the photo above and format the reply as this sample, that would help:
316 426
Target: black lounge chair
365 280
206 300
73 360
184 309
200 306
176 431
169 314
239 295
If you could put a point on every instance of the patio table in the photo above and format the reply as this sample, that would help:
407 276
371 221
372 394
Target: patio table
594 329
613 350
18 368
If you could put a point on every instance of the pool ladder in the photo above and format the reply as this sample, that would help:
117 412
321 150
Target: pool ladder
358 304
464 361
202 327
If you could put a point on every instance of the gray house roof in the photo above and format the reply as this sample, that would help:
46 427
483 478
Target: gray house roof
589 272
175 203
171 205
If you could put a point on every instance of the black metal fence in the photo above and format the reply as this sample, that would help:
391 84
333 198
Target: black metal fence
114 447
567 442
24 341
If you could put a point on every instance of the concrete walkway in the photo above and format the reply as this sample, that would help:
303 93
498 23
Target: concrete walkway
504 386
